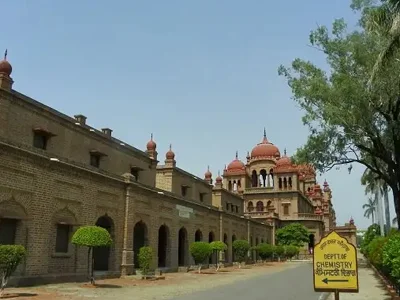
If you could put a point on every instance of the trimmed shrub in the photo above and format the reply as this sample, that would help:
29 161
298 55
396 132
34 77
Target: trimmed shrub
372 232
10 257
265 251
145 258
279 251
391 256
241 249
200 251
217 247
374 251
291 251
91 236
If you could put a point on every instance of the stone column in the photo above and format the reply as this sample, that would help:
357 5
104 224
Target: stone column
127 248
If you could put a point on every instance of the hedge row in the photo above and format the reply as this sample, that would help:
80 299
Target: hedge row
383 252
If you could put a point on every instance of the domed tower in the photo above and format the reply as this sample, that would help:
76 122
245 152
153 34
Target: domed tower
235 175
261 163
170 158
151 148
208 176
286 174
6 81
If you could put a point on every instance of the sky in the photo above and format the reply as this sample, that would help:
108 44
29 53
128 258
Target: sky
200 75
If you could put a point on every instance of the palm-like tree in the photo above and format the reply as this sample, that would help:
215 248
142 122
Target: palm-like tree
385 20
378 187
394 221
370 208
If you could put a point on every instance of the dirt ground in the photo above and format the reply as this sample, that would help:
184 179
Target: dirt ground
124 288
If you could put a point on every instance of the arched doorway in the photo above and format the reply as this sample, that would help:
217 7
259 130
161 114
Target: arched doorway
182 247
213 257
311 242
163 244
101 255
139 240
198 236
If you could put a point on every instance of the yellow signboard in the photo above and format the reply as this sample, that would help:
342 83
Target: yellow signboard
335 265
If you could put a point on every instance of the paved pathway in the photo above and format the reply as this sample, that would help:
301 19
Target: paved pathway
295 283
370 287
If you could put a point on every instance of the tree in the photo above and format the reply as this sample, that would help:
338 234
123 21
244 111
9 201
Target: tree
349 122
377 187
145 258
200 251
384 20
10 257
369 209
291 251
241 249
91 237
293 234
217 247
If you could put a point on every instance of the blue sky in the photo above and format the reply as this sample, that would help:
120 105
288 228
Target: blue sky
201 75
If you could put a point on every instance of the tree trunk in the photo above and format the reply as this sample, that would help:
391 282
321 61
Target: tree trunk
396 198
379 212
387 208
4 281
373 218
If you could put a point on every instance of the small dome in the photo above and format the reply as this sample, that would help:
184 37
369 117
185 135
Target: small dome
235 164
218 179
170 154
208 174
284 161
151 145
265 149
5 66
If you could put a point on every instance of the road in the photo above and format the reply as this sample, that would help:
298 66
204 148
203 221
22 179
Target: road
294 283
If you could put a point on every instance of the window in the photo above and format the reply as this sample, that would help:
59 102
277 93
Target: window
62 239
8 230
227 206
40 140
232 208
286 210
95 160
184 190
135 172
201 197
237 209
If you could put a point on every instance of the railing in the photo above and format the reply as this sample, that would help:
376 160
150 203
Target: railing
305 216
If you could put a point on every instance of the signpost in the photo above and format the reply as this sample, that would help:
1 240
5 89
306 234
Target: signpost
335 266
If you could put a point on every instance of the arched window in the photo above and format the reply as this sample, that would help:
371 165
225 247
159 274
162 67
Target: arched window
230 185
285 183
290 182
254 179
280 183
250 206
260 206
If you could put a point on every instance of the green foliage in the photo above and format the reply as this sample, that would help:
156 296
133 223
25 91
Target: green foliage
291 251
200 251
372 232
351 120
10 257
391 255
374 251
92 236
218 246
145 258
265 251
279 250
292 234
240 248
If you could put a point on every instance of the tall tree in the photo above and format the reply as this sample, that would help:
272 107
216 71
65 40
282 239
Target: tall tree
349 121
379 188
383 18
369 209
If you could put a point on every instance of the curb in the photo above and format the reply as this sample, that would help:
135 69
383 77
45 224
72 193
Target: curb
386 283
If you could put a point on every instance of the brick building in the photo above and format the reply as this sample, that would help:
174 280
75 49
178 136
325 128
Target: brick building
59 173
